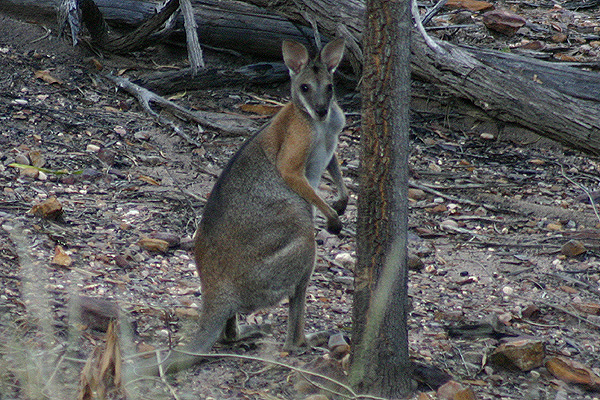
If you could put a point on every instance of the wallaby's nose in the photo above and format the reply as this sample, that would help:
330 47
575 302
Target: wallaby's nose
322 112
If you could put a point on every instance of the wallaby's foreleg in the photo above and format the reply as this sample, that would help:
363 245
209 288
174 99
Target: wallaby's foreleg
291 165
334 170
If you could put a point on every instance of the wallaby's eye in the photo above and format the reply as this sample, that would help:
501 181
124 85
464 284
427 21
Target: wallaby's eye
305 88
330 88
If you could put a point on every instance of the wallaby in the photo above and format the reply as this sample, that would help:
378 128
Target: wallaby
255 244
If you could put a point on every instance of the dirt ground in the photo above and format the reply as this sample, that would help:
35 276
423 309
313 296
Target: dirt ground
490 213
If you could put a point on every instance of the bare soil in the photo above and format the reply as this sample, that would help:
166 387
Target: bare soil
488 228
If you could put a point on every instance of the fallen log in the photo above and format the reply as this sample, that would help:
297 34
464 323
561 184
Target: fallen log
554 101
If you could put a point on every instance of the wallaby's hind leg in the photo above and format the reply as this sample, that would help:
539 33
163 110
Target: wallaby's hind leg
295 334
213 320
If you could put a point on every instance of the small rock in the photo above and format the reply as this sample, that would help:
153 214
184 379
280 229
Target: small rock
554 226
92 148
415 263
449 224
449 390
21 158
503 21
335 340
416 194
317 397
90 174
61 257
507 290
558 38
49 209
531 312
30 173
345 259
524 354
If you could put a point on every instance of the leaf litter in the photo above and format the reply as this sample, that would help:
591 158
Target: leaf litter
503 230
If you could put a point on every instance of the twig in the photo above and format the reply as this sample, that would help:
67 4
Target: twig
430 42
561 309
585 189
431 13
163 377
191 34
145 96
315 27
451 198
351 393
589 287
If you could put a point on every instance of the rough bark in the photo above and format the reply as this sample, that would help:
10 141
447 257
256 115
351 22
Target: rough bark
380 363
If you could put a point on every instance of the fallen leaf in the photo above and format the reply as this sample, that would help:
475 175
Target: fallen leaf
588 308
573 248
46 77
101 374
149 180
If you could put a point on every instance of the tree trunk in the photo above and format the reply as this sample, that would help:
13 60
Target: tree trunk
380 363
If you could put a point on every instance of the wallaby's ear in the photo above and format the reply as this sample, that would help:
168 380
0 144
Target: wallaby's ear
295 55
332 54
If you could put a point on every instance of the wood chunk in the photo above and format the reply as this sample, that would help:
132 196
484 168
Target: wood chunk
471 5
571 371
155 245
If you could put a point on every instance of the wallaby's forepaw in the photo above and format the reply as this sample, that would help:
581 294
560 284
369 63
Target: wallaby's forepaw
334 226
340 205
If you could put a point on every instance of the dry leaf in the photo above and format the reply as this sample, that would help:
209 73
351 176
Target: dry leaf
102 372
588 308
46 77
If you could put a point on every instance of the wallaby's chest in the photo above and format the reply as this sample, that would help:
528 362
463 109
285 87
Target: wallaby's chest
323 145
